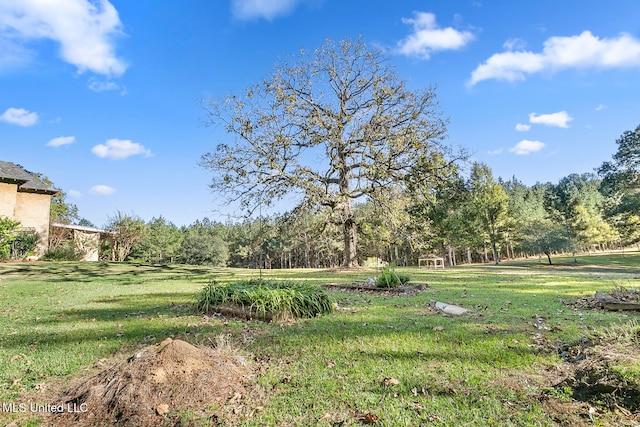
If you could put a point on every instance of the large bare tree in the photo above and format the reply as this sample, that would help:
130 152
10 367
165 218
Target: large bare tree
330 126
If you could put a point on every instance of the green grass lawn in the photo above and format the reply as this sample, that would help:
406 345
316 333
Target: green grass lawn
380 357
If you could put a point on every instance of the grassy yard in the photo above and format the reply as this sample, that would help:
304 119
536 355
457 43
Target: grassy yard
382 359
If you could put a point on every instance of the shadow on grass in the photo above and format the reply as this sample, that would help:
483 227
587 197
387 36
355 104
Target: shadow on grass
98 269
128 306
84 336
134 316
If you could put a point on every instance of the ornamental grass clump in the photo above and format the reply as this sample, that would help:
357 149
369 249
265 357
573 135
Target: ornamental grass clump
265 299
390 279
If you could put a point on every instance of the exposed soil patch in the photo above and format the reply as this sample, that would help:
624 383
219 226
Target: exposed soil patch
593 378
589 385
247 313
153 385
617 299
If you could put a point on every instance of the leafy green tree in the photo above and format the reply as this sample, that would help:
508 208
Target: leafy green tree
387 230
160 241
591 229
490 202
621 182
547 237
443 211
297 226
203 244
128 231
239 237
622 174
86 223
627 225
63 211
331 126
525 207
572 191
574 202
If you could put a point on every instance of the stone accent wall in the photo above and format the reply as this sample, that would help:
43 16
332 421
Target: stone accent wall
8 199
32 210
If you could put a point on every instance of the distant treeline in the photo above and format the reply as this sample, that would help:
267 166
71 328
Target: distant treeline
461 221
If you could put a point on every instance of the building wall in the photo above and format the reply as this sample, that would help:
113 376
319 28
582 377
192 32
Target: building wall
8 199
88 243
32 210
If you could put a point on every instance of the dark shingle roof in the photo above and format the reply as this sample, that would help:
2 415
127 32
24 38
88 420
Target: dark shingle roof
15 174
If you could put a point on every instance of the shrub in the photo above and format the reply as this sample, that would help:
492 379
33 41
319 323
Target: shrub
390 279
8 232
266 298
24 244
66 252
203 249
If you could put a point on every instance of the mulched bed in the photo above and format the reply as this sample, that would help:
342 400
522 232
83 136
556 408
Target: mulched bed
364 287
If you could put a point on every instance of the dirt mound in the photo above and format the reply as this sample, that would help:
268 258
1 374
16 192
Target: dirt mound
152 385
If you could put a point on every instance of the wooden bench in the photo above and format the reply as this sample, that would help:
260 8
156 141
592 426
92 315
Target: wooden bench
428 260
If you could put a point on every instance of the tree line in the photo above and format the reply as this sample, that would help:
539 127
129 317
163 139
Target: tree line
469 217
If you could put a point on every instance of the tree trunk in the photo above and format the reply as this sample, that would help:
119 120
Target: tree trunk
496 256
349 233
350 259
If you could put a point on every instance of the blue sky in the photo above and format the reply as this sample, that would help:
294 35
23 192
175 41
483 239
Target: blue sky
103 97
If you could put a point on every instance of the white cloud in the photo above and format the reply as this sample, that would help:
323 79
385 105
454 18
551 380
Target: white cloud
256 9
102 190
560 53
20 117
520 127
74 194
601 107
514 44
84 30
104 86
495 152
427 37
61 140
525 147
119 149
560 119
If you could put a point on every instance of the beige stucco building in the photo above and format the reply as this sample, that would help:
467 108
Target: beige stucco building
86 239
24 198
